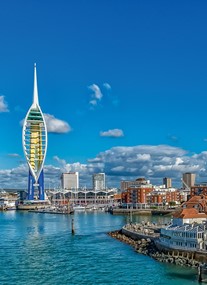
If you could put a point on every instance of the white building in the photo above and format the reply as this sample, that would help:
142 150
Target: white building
99 181
70 180
188 230
189 237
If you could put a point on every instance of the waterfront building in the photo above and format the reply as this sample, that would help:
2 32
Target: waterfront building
137 194
198 190
34 140
188 229
99 181
167 182
164 196
188 180
184 195
85 196
189 237
70 180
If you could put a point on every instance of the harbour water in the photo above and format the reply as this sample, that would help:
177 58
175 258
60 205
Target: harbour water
40 249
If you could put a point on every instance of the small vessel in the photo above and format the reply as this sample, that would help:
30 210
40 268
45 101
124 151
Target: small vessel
6 204
79 208
32 204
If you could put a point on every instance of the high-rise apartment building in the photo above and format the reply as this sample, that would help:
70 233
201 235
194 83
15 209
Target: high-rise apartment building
188 179
167 182
99 181
70 180
137 193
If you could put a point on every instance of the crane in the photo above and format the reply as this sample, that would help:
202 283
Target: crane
185 184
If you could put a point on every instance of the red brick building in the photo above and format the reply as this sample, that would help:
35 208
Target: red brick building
164 197
198 190
136 194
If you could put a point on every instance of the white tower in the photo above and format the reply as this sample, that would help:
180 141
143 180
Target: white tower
34 139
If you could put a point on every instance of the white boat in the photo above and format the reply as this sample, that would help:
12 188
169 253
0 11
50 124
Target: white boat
6 204
79 208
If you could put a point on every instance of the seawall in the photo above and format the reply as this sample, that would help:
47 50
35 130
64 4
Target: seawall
148 246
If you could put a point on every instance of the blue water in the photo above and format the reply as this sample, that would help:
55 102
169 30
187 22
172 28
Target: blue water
40 249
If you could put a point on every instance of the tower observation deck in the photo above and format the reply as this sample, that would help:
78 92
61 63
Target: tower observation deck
34 140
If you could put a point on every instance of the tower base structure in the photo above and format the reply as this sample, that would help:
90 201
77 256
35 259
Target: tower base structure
39 186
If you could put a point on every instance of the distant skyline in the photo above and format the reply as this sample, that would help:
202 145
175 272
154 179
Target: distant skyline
122 85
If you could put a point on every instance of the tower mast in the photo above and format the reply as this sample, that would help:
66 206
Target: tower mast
34 137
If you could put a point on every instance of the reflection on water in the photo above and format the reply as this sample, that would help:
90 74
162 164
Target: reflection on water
40 249
145 218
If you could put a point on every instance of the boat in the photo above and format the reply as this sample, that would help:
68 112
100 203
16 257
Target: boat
32 204
6 204
78 208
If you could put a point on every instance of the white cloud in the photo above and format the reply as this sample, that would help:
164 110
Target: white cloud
93 102
13 155
115 133
107 86
96 91
67 167
118 169
178 161
173 138
55 125
120 163
3 105
96 96
152 162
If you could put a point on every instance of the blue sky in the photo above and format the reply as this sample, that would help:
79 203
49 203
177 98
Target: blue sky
123 85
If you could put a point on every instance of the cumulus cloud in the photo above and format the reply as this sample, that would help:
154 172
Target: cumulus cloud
115 133
96 94
120 163
68 167
54 125
152 162
3 105
85 171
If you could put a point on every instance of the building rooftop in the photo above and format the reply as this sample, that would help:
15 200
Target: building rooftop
189 213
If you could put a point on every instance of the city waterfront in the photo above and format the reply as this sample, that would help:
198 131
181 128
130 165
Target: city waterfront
40 249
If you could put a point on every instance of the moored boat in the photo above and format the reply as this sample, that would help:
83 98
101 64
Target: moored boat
79 208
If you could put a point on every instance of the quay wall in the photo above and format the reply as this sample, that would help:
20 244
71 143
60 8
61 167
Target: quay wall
149 245
120 211
200 256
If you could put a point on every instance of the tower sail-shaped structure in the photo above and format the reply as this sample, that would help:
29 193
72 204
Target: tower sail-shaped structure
34 138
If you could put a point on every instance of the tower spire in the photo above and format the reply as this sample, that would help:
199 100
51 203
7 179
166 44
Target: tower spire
35 92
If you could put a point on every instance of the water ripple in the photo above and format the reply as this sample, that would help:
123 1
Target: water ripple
39 249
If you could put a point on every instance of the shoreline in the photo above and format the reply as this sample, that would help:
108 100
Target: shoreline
153 212
147 246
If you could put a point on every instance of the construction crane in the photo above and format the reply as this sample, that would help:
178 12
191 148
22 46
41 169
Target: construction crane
186 185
